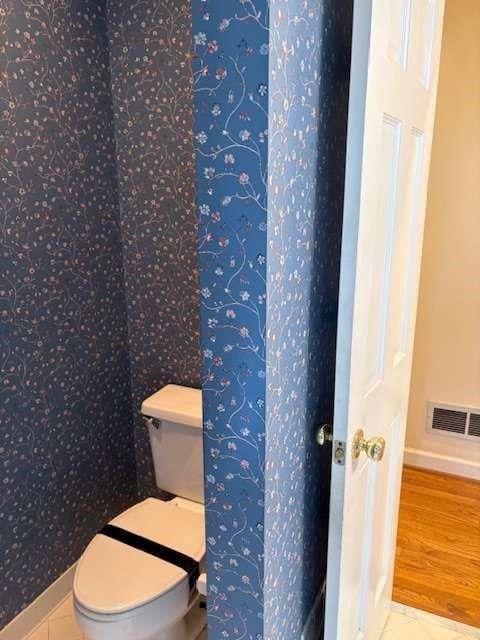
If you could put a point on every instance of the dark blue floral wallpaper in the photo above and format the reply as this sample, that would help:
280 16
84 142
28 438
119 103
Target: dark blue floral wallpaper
308 85
231 96
100 290
66 446
150 55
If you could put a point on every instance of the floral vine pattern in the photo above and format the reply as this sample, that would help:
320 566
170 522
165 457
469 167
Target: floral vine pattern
308 88
231 127
152 93
66 446
65 400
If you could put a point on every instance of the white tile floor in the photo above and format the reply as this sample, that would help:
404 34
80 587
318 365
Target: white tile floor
404 623
61 625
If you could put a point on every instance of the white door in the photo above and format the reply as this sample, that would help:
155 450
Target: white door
395 59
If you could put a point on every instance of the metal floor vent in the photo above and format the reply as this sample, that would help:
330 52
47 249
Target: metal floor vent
451 420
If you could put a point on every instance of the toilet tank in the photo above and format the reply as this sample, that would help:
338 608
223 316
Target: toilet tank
174 419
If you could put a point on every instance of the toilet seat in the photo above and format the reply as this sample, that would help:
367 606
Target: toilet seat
114 579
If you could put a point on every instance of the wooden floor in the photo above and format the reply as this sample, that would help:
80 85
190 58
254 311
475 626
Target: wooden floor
437 566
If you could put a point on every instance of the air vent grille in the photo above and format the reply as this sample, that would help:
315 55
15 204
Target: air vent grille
474 425
451 420
448 420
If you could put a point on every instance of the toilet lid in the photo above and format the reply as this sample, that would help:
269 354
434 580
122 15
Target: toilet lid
112 577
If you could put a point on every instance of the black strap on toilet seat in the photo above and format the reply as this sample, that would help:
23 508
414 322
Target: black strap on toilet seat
189 565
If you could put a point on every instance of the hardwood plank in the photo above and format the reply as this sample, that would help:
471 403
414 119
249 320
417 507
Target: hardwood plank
453 511
436 571
450 485
437 601
437 565
433 497
440 535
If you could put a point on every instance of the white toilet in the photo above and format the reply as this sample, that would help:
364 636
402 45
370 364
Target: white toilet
136 579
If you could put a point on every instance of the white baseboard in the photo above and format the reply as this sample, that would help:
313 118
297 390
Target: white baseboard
445 464
39 609
315 618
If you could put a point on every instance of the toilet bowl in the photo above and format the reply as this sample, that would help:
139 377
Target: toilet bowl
136 580
123 593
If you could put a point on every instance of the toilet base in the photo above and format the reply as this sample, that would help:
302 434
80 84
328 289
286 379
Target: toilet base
179 631
188 628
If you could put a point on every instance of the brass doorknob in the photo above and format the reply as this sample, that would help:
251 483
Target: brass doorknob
373 447
324 434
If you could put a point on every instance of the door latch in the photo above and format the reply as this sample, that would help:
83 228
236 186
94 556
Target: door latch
324 436
339 452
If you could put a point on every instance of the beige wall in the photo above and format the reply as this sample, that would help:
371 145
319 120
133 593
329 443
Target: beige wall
446 365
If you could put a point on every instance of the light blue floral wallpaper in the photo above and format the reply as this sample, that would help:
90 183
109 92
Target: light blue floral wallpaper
66 445
231 123
271 83
308 87
150 56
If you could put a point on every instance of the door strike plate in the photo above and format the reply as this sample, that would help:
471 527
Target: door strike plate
339 452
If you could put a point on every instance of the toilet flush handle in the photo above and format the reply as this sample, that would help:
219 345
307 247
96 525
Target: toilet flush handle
202 584
152 422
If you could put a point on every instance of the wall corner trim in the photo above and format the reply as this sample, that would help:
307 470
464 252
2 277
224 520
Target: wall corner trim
26 621
442 463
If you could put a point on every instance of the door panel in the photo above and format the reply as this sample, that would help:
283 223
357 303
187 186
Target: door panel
395 57
399 31
424 21
408 255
